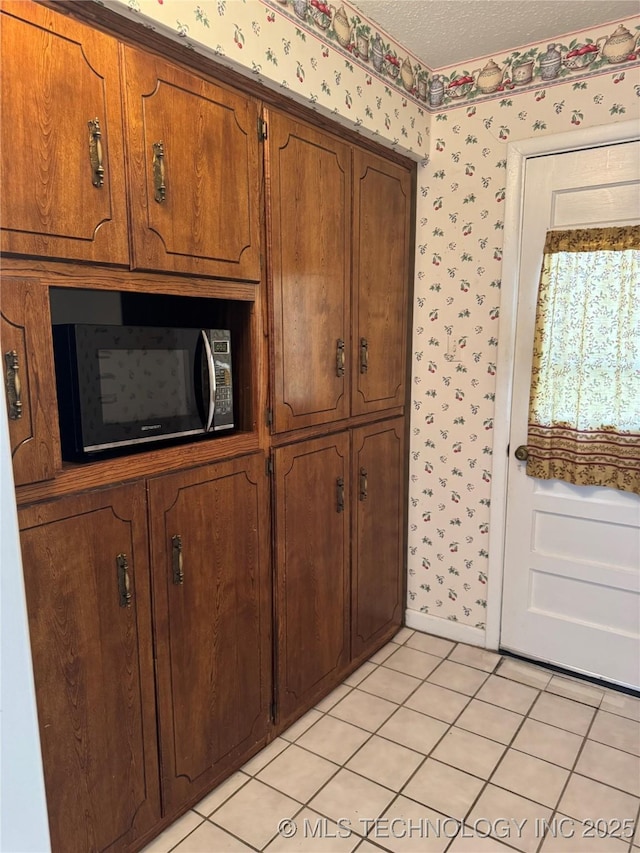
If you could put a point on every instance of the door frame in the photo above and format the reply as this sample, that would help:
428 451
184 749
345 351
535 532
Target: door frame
517 155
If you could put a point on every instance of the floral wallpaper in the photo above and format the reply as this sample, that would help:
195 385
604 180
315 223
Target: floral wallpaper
334 60
460 221
457 123
289 48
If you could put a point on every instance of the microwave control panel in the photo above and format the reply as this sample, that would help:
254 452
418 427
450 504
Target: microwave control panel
221 347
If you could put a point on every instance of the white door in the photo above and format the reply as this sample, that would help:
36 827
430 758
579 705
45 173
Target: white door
571 592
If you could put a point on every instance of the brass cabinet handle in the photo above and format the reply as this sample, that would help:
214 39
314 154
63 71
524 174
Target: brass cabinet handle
364 355
364 484
178 566
340 494
340 357
95 153
158 172
13 384
124 584
522 453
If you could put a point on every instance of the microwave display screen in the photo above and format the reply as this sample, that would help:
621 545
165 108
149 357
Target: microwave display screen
144 385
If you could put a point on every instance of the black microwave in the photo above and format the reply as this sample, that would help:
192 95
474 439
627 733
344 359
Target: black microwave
123 386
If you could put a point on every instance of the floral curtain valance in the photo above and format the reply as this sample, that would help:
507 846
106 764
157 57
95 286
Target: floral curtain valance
584 407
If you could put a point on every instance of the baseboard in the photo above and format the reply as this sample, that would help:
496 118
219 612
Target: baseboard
445 628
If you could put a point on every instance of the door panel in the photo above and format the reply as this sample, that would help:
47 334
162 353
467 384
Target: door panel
212 626
93 667
572 553
25 325
382 221
207 222
377 583
312 559
59 75
310 209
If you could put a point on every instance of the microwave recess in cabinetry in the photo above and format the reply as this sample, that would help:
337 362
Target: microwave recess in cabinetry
65 191
47 436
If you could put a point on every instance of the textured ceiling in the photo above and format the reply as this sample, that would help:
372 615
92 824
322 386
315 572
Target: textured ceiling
450 32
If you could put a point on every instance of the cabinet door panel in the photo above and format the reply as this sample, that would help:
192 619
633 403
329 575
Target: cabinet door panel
377 591
382 221
310 210
59 75
93 667
25 328
213 633
312 558
208 222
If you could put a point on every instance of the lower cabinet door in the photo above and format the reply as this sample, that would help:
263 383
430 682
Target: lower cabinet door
379 484
212 607
312 558
86 574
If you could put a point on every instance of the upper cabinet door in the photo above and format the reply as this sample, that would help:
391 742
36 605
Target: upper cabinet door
309 210
30 385
62 162
194 171
382 226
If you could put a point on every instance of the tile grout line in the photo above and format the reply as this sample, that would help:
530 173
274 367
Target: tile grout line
451 725
371 735
396 794
569 777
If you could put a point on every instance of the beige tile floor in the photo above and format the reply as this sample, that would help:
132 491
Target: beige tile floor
434 746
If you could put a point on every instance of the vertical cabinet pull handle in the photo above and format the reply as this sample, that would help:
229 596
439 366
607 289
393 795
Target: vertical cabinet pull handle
364 485
364 355
158 172
176 551
14 388
340 357
124 584
95 153
340 494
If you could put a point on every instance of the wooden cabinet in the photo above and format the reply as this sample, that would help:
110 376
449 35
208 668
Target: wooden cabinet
86 575
309 211
192 151
212 606
339 550
339 219
340 332
381 256
378 537
312 499
86 567
27 366
194 169
152 605
61 160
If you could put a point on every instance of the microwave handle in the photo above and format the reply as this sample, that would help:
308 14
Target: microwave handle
212 380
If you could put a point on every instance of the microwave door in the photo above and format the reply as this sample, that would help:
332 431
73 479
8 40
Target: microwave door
211 371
